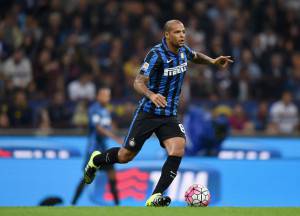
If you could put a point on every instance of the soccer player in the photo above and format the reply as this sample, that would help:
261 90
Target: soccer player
99 131
159 81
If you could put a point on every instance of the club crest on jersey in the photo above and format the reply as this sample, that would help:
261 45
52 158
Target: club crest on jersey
175 70
145 66
182 55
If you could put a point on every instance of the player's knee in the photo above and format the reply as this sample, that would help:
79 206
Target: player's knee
179 152
175 146
125 158
125 155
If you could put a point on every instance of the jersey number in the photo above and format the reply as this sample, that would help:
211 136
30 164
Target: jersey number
181 128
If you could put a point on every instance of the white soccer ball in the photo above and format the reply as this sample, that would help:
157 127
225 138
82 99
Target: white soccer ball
197 196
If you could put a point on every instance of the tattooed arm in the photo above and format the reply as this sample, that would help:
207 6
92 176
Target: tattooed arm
140 85
223 61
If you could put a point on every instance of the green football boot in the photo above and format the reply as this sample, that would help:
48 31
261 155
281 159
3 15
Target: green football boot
158 200
90 169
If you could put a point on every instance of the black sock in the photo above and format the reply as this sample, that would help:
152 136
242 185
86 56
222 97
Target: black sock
78 192
114 191
108 157
168 173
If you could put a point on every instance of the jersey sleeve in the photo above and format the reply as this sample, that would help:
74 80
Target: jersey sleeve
150 63
190 54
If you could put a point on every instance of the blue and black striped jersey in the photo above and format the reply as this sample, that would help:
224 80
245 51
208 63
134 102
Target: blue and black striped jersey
166 71
98 116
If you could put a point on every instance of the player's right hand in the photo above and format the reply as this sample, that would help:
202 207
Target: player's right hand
158 100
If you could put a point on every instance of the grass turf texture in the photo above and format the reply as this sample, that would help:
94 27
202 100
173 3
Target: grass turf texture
142 211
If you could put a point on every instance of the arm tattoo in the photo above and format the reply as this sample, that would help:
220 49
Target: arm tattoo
200 58
140 85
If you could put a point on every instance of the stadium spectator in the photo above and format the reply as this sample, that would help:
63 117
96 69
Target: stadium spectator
59 111
131 68
274 75
262 119
43 122
293 82
19 113
247 62
4 120
46 72
241 86
70 67
284 114
18 69
239 121
82 89
5 48
80 118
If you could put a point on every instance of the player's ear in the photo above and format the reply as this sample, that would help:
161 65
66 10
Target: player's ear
167 35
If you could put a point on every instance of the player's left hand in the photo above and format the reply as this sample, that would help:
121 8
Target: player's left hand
222 61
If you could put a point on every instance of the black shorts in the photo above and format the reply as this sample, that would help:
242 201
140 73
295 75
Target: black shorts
145 124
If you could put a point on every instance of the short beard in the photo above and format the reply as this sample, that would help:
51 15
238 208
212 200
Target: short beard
176 45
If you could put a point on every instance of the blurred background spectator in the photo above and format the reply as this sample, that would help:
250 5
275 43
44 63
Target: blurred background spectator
54 54
19 112
17 70
239 121
205 131
82 89
284 114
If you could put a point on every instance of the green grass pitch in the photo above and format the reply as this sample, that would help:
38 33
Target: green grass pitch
142 211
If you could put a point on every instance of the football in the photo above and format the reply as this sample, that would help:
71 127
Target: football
197 196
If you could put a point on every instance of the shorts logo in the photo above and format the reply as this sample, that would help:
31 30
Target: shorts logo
132 142
145 66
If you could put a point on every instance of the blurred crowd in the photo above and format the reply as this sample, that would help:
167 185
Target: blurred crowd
54 54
